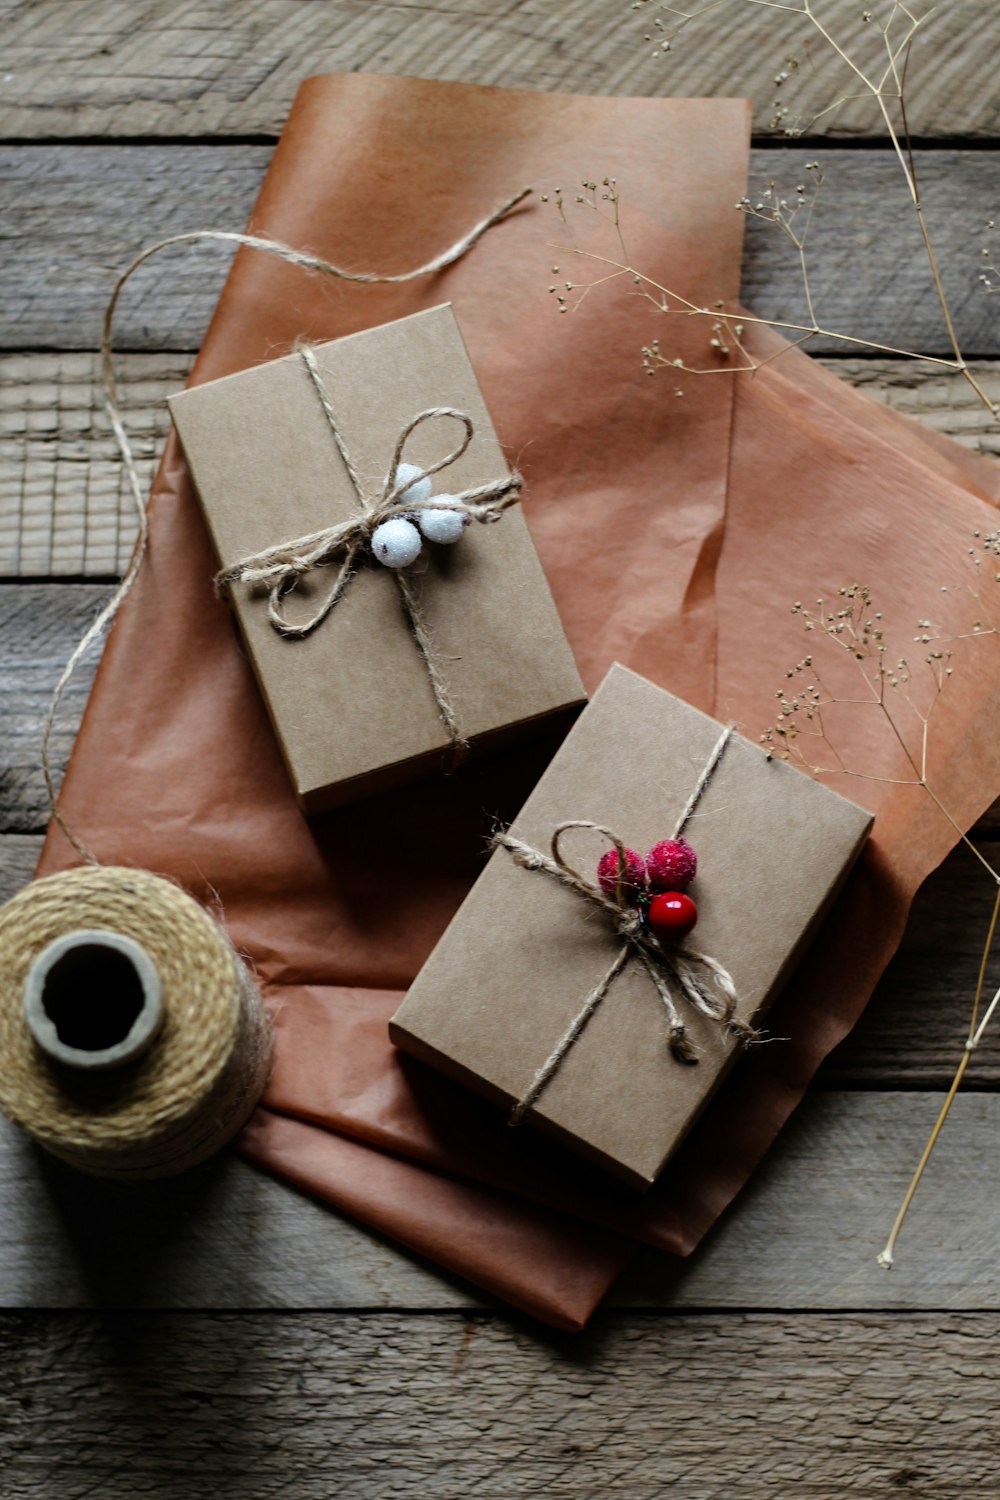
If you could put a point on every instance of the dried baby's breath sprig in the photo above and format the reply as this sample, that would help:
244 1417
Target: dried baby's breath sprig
905 689
727 351
874 60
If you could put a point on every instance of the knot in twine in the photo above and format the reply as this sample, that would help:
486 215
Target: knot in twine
280 568
315 265
700 979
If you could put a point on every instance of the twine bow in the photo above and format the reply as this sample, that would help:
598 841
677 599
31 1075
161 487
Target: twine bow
311 263
700 979
280 568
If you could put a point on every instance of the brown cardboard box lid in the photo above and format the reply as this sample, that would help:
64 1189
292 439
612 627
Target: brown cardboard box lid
523 952
353 700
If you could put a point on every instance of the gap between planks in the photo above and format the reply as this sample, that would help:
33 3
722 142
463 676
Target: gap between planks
910 1036
753 1407
73 214
226 70
804 1233
64 505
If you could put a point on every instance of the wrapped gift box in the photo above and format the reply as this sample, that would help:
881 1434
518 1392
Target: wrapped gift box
351 703
524 952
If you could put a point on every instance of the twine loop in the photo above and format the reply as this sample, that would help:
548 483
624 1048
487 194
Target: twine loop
279 569
676 971
316 266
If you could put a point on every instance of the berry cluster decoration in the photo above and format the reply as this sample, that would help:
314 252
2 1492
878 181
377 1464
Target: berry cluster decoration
656 886
398 542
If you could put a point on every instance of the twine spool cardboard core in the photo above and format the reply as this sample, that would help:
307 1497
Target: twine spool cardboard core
87 958
93 1000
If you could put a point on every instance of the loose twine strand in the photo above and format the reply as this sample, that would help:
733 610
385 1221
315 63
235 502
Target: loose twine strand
179 1102
307 262
702 981
279 568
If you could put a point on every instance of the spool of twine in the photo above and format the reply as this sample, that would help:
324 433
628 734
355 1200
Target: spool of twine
133 1040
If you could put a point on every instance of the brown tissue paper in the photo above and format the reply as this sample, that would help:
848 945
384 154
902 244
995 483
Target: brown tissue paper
523 952
351 703
674 533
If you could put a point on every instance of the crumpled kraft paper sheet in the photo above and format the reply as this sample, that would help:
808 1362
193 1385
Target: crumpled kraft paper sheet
675 534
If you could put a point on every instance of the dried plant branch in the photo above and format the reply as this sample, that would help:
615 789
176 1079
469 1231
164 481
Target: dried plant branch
906 697
887 1255
885 84
792 219
882 80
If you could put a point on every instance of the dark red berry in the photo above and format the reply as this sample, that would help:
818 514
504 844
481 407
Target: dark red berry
671 865
633 877
671 916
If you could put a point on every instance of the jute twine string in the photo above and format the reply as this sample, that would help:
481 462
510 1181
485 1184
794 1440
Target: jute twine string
279 568
312 263
181 1101
196 1086
699 978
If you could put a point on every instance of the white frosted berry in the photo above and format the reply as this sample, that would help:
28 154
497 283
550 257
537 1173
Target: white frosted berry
396 543
414 493
441 526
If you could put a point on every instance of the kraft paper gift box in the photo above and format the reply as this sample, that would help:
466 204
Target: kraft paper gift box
352 703
524 952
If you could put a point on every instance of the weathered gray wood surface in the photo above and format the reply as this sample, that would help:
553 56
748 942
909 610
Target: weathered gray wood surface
231 67
745 1407
912 1033
76 214
38 628
910 1037
225 1235
18 857
805 1398
64 505
805 1233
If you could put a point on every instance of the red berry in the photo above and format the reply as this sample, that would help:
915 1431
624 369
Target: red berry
671 865
633 877
671 916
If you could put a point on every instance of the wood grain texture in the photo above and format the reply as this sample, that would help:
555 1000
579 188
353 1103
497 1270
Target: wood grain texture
75 217
19 853
65 509
224 1235
910 1037
65 506
231 67
805 1233
38 628
753 1407
915 1026
718 1406
72 214
807 1229
935 398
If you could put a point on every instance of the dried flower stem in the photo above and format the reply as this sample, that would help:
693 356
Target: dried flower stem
856 628
886 85
886 1256
727 328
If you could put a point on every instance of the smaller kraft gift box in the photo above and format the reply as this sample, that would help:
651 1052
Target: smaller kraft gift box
389 632
571 987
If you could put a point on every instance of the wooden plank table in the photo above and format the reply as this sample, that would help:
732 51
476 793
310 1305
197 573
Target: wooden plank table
223 1336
